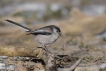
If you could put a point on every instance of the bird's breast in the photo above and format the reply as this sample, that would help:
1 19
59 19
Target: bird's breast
46 39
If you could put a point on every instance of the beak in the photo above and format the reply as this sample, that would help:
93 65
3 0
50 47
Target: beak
60 33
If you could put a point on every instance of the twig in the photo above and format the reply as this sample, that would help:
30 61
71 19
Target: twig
75 65
72 67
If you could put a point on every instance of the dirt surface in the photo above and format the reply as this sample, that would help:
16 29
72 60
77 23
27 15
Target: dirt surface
79 39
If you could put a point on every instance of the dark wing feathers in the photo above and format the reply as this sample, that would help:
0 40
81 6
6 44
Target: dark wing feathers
37 33
42 31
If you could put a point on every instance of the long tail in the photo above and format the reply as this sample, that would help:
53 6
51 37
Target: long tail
27 29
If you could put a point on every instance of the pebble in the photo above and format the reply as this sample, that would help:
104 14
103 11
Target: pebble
4 57
2 66
11 67
103 66
21 58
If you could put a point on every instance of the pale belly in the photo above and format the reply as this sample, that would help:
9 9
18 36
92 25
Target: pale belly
45 39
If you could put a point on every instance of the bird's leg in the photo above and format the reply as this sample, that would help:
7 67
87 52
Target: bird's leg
45 48
51 54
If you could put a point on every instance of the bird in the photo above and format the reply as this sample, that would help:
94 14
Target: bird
45 35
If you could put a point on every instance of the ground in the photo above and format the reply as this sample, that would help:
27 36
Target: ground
81 38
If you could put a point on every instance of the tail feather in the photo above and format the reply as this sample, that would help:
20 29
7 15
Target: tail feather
27 29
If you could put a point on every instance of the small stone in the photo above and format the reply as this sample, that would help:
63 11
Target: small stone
103 66
11 67
4 57
16 58
21 58
2 66
27 58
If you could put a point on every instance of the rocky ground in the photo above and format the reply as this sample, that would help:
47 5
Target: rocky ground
82 37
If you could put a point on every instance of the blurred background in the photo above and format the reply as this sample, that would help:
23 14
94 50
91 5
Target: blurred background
83 23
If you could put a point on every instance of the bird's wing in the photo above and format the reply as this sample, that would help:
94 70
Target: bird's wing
42 31
46 29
